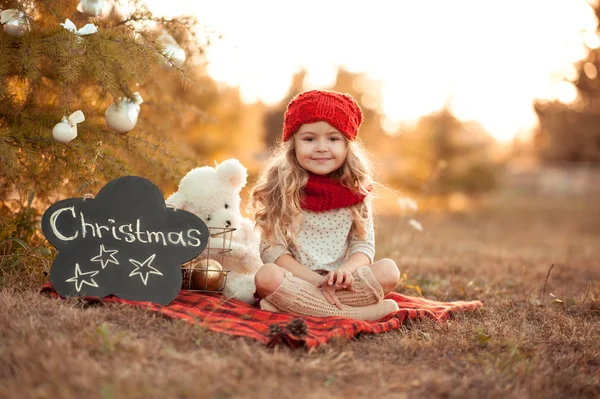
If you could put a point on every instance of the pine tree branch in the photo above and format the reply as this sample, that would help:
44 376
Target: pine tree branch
155 147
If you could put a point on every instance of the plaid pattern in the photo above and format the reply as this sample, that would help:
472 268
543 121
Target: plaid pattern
230 316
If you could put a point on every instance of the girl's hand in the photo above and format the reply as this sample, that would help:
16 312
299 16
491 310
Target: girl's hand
340 279
329 294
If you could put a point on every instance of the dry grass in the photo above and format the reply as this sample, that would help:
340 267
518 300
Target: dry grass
520 345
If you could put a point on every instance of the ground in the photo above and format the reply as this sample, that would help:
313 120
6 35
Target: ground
537 336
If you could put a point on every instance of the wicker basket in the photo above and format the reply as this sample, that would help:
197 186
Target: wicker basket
203 267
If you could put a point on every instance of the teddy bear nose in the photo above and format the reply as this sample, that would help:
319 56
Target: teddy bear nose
228 223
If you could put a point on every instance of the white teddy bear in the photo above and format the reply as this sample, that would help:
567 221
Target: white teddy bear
213 194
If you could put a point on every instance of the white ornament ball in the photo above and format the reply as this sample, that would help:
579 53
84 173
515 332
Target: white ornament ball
63 132
92 7
15 22
122 116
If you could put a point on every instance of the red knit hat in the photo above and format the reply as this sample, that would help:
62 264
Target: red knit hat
338 109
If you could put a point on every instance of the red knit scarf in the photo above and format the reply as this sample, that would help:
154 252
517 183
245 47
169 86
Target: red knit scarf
323 193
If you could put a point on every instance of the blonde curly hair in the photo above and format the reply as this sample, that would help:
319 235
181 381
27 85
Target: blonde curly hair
277 194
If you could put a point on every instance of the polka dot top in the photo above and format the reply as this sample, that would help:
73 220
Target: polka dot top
325 241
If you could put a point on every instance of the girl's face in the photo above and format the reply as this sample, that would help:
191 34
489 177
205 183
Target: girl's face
320 147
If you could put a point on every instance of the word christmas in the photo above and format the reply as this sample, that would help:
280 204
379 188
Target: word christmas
125 242
124 231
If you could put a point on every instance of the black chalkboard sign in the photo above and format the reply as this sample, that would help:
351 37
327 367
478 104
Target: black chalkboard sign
125 242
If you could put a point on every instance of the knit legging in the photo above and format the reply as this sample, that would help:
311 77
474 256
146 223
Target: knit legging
298 296
367 290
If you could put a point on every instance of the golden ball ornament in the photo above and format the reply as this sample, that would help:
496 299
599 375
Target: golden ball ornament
207 274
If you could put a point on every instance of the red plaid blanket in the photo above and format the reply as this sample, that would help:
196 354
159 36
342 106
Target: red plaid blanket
234 317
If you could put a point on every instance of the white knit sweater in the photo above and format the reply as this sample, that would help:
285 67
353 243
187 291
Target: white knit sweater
324 241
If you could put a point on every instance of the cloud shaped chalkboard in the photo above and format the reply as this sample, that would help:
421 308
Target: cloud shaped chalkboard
125 242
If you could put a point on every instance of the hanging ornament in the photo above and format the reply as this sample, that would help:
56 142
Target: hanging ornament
66 129
92 7
15 22
172 50
88 29
123 114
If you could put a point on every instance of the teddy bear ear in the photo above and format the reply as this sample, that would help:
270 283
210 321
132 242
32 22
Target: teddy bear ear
177 199
232 172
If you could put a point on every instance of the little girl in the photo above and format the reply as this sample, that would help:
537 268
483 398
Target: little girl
312 207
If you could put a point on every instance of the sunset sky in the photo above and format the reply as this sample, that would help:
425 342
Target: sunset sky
489 59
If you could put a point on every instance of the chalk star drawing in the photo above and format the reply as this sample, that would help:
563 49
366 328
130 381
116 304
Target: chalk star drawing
139 266
76 278
105 261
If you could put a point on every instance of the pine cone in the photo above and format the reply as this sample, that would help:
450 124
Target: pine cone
275 329
297 327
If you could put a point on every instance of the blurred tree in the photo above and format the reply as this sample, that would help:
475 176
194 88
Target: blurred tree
442 155
567 133
232 127
571 132
47 72
273 121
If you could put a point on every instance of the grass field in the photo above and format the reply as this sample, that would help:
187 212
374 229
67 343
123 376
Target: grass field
537 336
